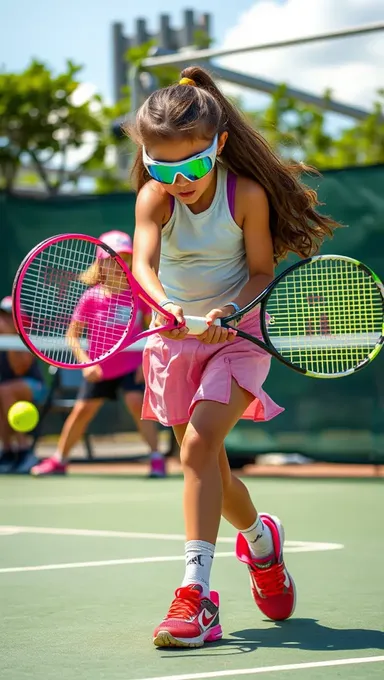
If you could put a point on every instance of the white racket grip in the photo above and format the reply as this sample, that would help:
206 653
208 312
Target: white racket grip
198 324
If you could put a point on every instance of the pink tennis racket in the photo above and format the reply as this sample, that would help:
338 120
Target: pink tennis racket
75 302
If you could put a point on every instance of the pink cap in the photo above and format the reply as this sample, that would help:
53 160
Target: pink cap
117 240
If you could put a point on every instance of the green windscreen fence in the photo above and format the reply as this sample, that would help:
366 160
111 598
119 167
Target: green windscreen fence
326 419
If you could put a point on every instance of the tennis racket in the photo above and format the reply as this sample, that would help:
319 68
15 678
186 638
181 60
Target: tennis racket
322 316
50 288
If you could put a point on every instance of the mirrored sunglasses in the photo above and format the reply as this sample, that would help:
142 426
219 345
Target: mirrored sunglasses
193 168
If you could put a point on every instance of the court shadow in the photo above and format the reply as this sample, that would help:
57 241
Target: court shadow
305 634
225 647
311 635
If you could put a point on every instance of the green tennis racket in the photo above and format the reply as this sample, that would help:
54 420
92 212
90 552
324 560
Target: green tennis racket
323 316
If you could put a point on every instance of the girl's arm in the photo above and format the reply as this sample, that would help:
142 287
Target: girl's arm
252 212
258 242
84 309
73 335
151 207
74 332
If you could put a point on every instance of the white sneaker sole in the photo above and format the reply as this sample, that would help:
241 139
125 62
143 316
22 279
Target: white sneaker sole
165 639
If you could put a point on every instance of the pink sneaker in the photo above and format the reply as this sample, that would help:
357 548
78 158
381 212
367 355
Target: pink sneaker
49 466
191 620
157 469
273 588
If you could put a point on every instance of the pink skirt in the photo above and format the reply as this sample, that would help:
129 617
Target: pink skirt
179 373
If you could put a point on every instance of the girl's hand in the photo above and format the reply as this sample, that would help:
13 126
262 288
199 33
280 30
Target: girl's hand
178 333
93 373
217 334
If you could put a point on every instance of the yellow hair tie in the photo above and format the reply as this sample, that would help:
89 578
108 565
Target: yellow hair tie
187 81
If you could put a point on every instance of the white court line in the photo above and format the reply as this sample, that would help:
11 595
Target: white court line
81 500
270 669
103 563
289 546
9 531
103 533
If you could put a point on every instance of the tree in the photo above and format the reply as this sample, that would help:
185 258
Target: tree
42 125
148 80
303 132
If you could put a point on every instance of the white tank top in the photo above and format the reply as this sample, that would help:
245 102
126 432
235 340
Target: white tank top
203 263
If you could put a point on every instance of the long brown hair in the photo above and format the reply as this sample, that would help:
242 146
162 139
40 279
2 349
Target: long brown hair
200 112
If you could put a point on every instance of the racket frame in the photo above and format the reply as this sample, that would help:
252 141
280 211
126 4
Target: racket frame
262 300
137 292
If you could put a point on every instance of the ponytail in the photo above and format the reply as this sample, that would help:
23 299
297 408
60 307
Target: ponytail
196 107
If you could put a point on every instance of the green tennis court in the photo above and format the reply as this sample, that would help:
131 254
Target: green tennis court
88 566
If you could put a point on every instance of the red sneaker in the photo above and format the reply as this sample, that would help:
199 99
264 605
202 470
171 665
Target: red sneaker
191 620
49 466
273 588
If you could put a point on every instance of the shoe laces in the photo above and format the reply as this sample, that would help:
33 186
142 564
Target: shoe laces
186 603
270 581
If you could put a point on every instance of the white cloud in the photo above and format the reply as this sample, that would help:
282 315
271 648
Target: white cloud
352 67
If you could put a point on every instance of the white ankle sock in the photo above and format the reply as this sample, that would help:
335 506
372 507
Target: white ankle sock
259 539
198 563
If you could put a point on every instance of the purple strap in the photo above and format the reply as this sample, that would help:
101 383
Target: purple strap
231 192
172 203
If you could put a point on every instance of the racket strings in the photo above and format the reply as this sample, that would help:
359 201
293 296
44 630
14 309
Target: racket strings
56 280
326 317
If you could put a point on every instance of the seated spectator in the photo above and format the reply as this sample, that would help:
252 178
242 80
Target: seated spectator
20 380
102 382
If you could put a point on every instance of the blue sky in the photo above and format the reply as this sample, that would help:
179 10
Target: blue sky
54 30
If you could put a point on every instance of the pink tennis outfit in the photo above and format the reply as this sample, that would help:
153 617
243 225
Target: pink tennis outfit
106 311
202 266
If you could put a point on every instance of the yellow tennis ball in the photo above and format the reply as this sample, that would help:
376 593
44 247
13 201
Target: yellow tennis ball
23 416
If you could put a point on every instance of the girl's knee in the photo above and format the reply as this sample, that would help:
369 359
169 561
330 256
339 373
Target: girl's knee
198 449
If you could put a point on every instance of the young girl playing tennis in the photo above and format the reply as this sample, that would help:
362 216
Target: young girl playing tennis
105 301
215 210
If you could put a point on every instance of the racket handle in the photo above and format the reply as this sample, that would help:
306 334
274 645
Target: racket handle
198 324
